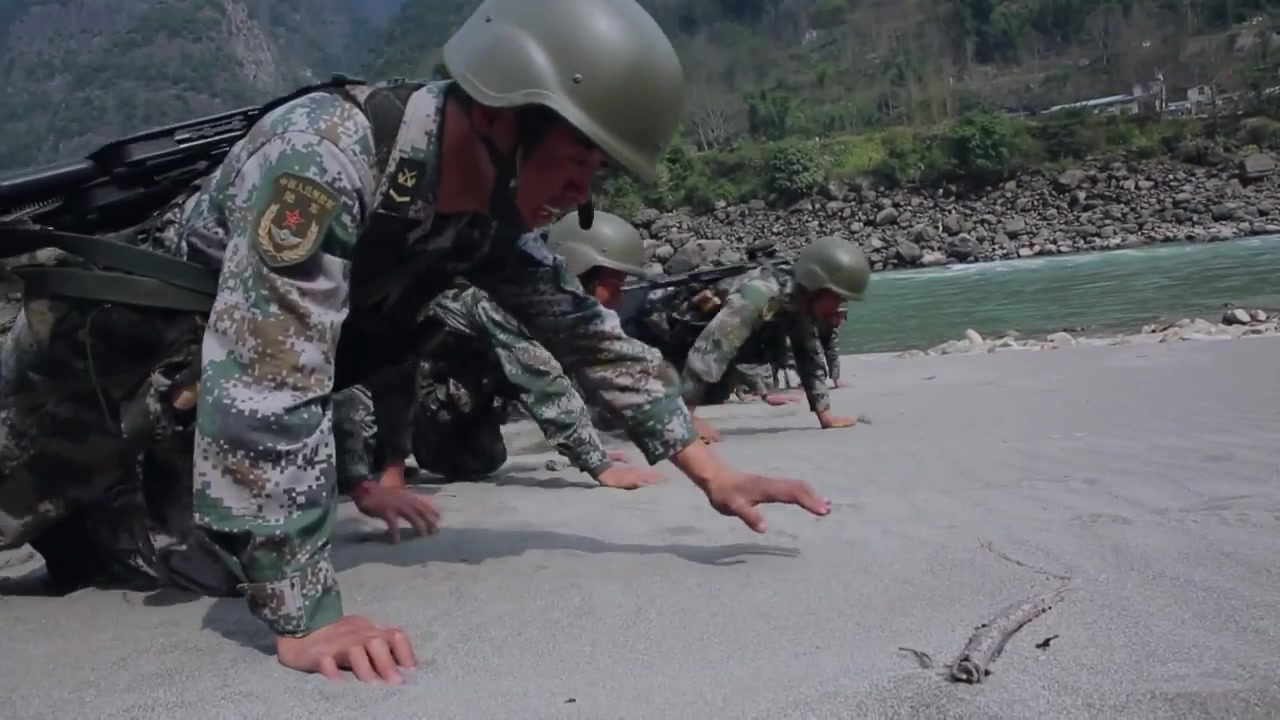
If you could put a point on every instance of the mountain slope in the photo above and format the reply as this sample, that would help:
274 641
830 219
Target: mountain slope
78 73
774 68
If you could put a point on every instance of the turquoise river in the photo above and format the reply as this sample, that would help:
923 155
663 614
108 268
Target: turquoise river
1089 293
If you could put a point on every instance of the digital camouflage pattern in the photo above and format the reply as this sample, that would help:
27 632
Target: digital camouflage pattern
87 422
355 434
670 321
297 275
489 361
753 305
529 375
829 338
456 434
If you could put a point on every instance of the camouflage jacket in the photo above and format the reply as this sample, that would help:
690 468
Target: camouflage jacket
490 344
753 307
289 219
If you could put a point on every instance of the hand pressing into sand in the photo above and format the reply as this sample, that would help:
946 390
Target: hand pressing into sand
778 399
391 504
373 654
829 421
629 478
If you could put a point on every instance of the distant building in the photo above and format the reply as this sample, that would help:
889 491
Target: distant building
1148 96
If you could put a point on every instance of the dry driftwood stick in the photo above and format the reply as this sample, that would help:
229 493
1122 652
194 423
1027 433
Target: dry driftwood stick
989 639
923 658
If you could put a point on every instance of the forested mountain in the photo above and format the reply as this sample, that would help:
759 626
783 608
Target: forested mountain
778 68
76 73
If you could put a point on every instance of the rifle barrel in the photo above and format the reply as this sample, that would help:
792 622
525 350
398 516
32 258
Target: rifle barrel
36 185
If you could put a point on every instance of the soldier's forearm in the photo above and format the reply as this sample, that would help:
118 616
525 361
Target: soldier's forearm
587 339
265 498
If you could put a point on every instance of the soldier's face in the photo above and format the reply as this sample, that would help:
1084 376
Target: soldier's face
607 287
556 175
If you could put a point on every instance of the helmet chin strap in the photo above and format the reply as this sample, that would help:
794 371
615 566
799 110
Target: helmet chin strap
586 214
502 197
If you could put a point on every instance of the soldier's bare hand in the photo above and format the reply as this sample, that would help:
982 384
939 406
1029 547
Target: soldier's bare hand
619 457
393 504
829 421
373 654
629 478
776 399
738 494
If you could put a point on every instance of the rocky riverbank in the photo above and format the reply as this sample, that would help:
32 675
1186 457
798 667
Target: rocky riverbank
1235 323
1091 207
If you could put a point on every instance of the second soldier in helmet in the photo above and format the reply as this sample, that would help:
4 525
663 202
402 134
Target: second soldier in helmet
486 362
491 360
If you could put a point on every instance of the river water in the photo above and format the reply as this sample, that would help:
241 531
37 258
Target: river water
1101 292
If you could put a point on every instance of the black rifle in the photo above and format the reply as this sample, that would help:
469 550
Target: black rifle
84 207
634 293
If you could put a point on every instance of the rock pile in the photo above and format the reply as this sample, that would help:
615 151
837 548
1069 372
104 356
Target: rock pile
1092 207
1235 323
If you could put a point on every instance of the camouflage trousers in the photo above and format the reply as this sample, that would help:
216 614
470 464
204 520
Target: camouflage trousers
451 438
96 445
458 434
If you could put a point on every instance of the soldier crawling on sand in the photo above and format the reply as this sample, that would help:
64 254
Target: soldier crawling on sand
747 318
420 183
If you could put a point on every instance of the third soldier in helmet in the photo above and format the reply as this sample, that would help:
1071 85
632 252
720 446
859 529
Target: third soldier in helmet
750 310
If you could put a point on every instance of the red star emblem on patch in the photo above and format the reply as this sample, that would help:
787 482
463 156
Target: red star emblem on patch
292 219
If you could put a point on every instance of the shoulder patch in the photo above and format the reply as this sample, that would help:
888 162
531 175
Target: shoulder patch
292 226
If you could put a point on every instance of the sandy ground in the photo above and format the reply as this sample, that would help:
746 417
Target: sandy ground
1151 474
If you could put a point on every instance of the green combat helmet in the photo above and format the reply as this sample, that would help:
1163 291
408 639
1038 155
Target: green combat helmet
833 264
611 242
604 66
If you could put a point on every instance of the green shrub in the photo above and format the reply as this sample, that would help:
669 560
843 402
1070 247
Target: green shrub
979 148
795 171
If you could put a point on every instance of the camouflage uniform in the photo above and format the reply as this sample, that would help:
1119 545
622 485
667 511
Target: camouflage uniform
755 310
670 321
829 337
94 471
465 388
285 217
497 349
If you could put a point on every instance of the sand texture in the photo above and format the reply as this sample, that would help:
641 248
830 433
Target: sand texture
1147 474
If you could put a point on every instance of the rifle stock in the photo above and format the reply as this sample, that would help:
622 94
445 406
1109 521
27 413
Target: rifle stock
87 208
122 183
